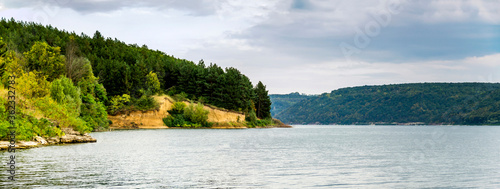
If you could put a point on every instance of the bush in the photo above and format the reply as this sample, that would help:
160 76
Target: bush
118 103
94 113
251 117
27 127
93 110
252 120
64 92
196 114
180 97
177 108
191 116
146 103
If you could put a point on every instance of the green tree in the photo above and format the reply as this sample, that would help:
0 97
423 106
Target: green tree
262 101
153 83
118 103
3 52
63 91
93 110
46 59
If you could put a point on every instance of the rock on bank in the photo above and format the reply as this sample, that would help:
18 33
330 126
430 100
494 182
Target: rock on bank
70 136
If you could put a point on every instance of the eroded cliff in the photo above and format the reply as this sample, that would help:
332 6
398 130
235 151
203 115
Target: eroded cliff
154 119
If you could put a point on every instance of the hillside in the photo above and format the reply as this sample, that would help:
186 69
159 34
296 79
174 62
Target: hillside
67 80
152 119
281 102
421 103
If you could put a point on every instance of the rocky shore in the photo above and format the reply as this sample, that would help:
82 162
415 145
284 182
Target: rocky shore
70 136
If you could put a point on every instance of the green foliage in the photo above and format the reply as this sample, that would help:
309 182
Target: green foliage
152 82
251 116
32 85
46 59
94 113
262 101
3 47
191 116
78 68
252 121
63 91
196 114
118 103
125 68
428 103
146 103
13 64
177 108
93 110
119 69
64 114
180 97
281 102
27 127
3 52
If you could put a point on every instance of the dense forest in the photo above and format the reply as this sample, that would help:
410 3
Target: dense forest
87 77
281 102
421 103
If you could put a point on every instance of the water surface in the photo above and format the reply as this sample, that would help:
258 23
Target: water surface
303 156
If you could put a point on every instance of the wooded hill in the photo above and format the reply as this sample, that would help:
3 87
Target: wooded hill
76 80
282 102
420 103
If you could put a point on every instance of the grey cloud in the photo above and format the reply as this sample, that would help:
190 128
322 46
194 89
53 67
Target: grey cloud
196 7
316 35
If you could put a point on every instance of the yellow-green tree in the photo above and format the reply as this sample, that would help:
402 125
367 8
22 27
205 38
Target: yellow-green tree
46 59
32 85
13 64
152 82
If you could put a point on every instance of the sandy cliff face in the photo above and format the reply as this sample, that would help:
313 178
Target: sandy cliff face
153 119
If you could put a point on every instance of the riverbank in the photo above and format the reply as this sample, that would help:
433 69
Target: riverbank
70 136
153 119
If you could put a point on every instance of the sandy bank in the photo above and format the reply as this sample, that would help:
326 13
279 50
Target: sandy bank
154 119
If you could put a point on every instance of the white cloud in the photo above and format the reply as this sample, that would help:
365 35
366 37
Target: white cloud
489 60
293 45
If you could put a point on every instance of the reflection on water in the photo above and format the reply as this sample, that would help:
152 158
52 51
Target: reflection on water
304 156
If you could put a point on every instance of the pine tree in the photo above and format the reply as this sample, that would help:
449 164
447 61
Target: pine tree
262 101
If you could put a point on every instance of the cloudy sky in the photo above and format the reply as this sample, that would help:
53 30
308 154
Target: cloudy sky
309 46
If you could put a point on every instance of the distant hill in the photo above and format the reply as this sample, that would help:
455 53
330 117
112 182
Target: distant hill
281 102
420 103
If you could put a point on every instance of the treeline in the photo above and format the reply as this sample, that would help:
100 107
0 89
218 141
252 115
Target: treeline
69 80
428 103
281 102
122 68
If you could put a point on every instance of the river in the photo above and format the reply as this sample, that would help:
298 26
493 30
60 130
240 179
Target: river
299 157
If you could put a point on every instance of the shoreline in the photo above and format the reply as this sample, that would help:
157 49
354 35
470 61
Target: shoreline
73 137
70 137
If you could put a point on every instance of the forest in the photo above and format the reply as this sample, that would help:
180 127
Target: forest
281 102
76 80
424 103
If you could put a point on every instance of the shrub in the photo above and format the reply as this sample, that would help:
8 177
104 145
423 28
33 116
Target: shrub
180 97
196 114
118 103
146 103
191 116
64 92
177 108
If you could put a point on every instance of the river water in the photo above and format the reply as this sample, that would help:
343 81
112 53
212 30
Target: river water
299 157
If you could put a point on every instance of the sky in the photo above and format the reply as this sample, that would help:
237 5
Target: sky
306 46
